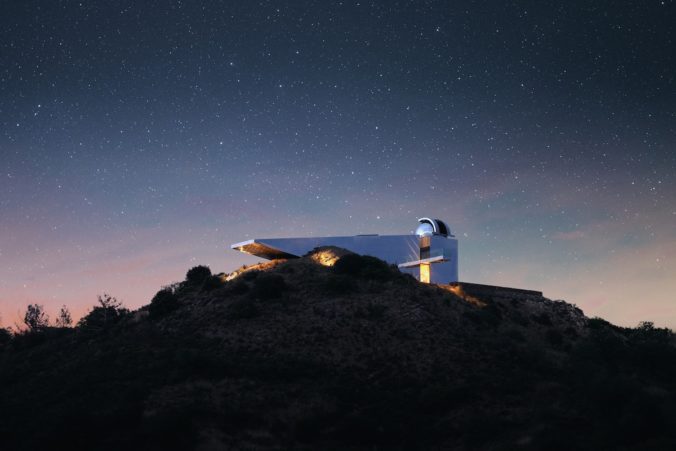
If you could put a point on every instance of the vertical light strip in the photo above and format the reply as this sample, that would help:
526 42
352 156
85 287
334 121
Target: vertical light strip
425 272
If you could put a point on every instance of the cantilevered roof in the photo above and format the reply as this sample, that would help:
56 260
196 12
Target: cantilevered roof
392 248
262 249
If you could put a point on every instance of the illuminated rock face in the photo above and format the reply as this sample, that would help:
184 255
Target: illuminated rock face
430 255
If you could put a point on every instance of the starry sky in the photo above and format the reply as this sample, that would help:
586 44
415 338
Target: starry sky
141 138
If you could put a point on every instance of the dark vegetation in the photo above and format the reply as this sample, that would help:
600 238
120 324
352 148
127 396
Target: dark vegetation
35 318
301 356
64 319
197 275
108 312
363 266
163 303
5 336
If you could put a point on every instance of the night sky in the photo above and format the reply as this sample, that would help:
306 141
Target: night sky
139 139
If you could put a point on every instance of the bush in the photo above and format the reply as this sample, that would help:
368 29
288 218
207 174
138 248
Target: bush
372 312
339 284
515 335
597 323
268 286
250 275
164 302
647 332
363 266
237 287
570 332
542 319
212 282
197 275
554 337
108 312
243 309
5 336
484 316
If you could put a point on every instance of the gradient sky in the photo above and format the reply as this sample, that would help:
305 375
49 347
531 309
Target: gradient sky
140 138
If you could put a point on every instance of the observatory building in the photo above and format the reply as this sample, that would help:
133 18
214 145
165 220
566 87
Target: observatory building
430 255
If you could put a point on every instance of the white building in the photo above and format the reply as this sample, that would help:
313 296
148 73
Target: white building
430 255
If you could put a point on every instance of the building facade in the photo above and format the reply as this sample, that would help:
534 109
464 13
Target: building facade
430 255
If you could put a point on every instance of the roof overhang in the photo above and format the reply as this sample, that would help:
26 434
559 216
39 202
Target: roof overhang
263 250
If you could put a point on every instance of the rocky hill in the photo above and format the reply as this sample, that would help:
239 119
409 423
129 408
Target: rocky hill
338 351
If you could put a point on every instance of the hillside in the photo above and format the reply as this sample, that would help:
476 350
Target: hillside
300 355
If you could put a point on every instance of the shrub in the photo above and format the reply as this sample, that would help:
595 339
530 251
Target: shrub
5 336
515 335
372 311
554 337
645 326
243 309
211 283
165 301
250 275
339 284
484 316
520 319
197 275
108 312
597 323
268 286
363 266
543 319
570 332
237 287
646 331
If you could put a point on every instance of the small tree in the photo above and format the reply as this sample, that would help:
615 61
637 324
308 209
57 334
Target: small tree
35 318
64 319
109 311
109 302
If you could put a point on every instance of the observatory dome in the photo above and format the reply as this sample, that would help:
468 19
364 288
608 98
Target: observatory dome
430 226
424 229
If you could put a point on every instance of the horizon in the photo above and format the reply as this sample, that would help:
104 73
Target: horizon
138 142
134 298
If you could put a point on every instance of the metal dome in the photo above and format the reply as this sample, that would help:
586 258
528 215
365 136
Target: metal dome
430 226
424 229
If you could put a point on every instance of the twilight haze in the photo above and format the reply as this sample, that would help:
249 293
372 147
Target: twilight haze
142 138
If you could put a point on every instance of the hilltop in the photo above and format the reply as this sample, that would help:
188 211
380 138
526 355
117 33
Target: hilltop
334 350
